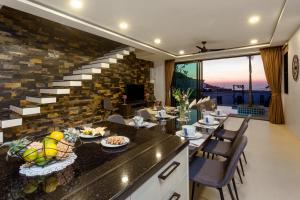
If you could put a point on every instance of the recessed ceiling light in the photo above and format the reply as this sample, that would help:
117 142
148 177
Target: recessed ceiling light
181 52
254 41
123 25
254 19
77 4
157 41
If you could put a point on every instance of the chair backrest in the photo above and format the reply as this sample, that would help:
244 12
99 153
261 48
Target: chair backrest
144 114
233 160
116 119
236 140
107 104
246 120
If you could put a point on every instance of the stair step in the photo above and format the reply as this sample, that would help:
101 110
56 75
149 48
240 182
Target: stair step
112 55
41 100
79 77
130 49
55 91
96 65
67 83
122 52
88 71
10 120
25 110
105 60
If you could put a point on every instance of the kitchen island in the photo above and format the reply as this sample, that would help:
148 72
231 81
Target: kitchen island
153 165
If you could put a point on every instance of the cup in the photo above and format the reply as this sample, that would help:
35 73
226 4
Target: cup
138 121
162 113
218 112
189 130
208 119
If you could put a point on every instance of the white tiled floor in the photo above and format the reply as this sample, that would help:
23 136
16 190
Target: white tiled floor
273 170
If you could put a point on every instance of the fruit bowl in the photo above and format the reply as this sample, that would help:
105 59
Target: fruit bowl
41 151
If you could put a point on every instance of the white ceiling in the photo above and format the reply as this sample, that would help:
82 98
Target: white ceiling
180 24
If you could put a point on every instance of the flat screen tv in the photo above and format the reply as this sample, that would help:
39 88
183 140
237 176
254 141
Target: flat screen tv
135 92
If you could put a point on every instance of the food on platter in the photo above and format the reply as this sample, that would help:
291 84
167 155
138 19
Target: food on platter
64 148
87 130
115 140
99 131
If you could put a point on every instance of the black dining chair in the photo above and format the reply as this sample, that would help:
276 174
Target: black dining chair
116 119
217 174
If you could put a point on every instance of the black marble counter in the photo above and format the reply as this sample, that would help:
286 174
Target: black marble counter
98 173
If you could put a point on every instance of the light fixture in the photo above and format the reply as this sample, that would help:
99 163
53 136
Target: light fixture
181 52
254 19
124 179
123 25
77 4
158 155
157 41
254 41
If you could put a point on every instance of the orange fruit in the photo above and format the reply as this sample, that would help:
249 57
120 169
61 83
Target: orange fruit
57 135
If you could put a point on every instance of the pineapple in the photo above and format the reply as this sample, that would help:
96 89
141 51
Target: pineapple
16 147
65 146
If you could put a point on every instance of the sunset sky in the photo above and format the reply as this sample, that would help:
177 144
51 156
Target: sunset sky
226 72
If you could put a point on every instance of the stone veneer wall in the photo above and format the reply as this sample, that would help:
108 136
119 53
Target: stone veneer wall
35 51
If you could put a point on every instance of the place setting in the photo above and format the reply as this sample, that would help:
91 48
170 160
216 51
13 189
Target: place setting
162 115
139 122
190 133
218 114
208 122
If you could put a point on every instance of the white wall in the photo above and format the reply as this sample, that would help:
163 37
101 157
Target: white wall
291 101
158 75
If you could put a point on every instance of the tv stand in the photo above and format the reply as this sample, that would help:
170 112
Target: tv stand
128 110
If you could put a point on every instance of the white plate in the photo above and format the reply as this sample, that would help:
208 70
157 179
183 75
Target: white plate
165 117
201 121
103 143
215 114
197 135
145 124
82 135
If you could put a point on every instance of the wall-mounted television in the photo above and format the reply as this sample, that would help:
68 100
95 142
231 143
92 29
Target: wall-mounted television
135 92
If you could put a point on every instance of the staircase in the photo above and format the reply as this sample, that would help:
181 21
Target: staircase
13 116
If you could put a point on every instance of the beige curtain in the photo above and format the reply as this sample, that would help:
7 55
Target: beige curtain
169 70
272 60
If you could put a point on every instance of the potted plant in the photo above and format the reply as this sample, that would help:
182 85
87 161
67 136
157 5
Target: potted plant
182 97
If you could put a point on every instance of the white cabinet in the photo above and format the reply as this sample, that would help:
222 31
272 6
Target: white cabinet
170 182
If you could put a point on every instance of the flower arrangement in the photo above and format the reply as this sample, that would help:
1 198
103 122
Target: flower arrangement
124 97
182 97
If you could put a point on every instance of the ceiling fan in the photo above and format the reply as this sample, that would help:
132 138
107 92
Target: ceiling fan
203 49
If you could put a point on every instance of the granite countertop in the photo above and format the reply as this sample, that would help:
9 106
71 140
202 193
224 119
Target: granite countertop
98 173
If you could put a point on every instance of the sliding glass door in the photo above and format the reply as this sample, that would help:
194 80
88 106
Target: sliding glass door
232 81
186 76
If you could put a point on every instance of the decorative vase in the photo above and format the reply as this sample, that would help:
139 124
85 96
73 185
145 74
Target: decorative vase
182 112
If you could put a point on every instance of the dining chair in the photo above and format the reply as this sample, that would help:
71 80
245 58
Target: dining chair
107 105
224 149
144 113
116 118
217 174
224 134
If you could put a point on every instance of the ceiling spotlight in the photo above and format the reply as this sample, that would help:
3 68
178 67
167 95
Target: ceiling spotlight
123 25
77 4
181 52
254 19
157 41
254 41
